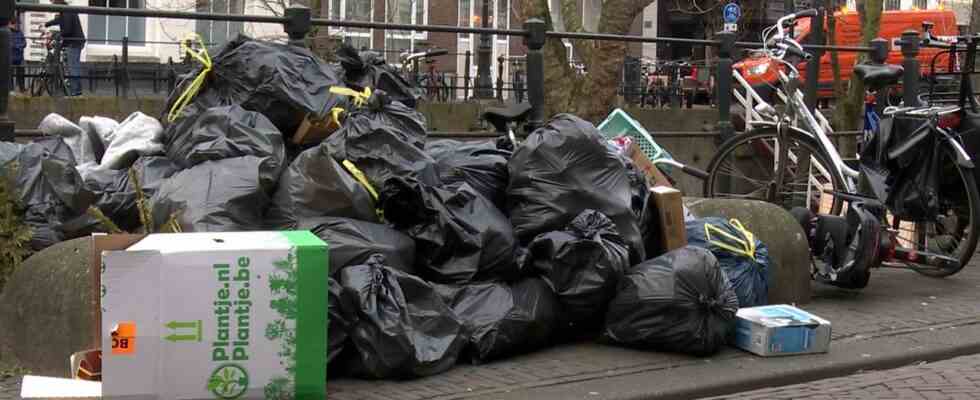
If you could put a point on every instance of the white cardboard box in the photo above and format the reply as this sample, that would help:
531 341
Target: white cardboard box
777 330
215 315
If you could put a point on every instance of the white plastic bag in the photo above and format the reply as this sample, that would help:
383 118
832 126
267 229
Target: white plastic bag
103 127
138 135
74 136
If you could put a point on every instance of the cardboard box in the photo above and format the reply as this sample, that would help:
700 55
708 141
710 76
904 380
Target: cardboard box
214 315
779 330
655 177
668 221
313 130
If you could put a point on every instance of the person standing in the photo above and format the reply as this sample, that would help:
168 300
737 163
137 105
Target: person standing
74 41
17 45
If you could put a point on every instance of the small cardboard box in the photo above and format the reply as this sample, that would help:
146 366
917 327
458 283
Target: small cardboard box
779 330
669 220
654 175
313 130
214 315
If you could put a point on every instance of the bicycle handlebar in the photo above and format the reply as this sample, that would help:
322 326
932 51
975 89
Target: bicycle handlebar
791 49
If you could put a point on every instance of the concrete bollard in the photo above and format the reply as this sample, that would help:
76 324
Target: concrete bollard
789 276
46 309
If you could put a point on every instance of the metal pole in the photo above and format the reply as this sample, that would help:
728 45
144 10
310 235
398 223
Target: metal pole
466 76
298 23
813 66
535 71
724 84
171 74
6 125
125 67
115 73
910 83
156 78
500 78
484 84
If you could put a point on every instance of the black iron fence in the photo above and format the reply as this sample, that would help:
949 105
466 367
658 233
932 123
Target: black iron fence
297 23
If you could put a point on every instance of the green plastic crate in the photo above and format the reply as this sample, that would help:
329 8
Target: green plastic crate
619 123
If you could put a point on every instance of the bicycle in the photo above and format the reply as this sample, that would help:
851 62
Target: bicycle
788 159
434 87
52 78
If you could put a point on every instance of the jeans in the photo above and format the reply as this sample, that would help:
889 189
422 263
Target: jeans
74 70
17 76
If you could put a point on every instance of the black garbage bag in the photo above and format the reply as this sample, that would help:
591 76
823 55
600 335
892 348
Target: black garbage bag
352 242
216 196
503 320
281 81
399 325
480 164
48 190
116 194
315 185
679 302
223 132
583 264
337 326
564 168
385 139
460 237
369 69
744 259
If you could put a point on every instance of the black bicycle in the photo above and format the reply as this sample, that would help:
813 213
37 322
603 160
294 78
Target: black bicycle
52 79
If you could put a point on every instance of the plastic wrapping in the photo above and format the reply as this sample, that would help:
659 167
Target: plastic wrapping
116 195
744 258
224 132
385 140
459 235
284 82
352 242
583 264
480 164
315 185
138 135
399 325
103 127
678 302
368 69
563 169
216 196
82 148
504 320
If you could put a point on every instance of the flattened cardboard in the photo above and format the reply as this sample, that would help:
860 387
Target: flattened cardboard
655 177
669 222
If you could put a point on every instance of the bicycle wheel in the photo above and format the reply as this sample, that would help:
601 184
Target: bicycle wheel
747 166
952 231
55 82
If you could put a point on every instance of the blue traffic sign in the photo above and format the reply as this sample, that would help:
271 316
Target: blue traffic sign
732 12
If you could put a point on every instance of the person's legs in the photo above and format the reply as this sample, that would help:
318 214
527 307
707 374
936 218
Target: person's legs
19 73
74 70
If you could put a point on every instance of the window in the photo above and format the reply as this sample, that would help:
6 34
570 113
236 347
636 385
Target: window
353 10
404 12
216 33
471 13
110 30
920 4
893 4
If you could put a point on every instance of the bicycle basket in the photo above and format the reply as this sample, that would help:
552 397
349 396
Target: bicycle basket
619 123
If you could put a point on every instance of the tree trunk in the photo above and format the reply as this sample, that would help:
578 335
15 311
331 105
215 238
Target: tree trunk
869 12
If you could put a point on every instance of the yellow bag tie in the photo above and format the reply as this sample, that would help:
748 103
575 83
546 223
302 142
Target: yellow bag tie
360 98
195 86
746 245
362 179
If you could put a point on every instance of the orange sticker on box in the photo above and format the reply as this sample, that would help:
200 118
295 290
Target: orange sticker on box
124 338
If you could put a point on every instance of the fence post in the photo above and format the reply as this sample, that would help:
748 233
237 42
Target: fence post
500 78
6 125
92 78
298 24
723 84
171 75
813 66
125 67
156 78
910 83
115 73
466 76
535 71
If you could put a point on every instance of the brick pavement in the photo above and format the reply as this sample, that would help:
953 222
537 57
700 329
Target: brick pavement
894 302
954 379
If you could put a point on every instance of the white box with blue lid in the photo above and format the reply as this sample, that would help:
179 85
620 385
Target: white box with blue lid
778 330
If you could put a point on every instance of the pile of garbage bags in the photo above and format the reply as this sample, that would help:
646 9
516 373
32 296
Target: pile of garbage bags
441 251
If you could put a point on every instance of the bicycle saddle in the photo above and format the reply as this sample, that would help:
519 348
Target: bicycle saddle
877 76
500 117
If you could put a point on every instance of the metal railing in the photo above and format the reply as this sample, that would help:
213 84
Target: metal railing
297 22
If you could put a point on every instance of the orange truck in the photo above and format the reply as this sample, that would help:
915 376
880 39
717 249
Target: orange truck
761 73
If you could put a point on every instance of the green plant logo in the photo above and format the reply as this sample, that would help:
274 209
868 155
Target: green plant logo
229 381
